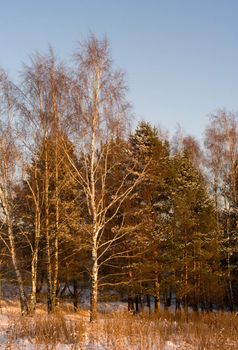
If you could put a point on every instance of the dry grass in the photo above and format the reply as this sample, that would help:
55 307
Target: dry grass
193 331
47 330
120 331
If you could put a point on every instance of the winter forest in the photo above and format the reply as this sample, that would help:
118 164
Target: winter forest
90 203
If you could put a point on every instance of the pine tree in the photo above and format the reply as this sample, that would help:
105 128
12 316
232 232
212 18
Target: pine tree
151 205
196 255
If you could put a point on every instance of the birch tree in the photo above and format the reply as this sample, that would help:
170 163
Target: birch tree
221 144
42 104
101 113
9 163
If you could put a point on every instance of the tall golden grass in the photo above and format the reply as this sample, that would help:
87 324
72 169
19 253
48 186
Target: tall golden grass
124 331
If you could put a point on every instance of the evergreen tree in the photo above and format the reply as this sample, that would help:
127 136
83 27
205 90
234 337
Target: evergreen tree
196 250
151 205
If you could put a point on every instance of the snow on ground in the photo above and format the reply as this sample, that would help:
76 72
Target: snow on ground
97 336
10 311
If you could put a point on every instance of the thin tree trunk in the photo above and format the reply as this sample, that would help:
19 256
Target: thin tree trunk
137 303
141 301
157 289
56 261
230 289
186 273
23 298
47 234
75 295
130 301
229 268
56 236
148 302
33 283
4 193
157 295
35 249
93 209
34 264
94 283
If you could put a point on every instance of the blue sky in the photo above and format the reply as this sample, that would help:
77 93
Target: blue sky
180 56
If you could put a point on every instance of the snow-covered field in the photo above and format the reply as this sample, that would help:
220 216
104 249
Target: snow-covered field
94 336
115 329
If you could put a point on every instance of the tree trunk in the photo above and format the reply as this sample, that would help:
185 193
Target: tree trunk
75 295
47 235
137 304
56 236
34 262
23 298
130 301
56 242
178 304
157 296
33 283
148 302
185 298
141 301
94 284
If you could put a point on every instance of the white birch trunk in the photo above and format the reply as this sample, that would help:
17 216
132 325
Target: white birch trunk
56 235
94 283
23 298
34 263
47 233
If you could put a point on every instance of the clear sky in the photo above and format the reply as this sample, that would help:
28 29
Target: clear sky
180 56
